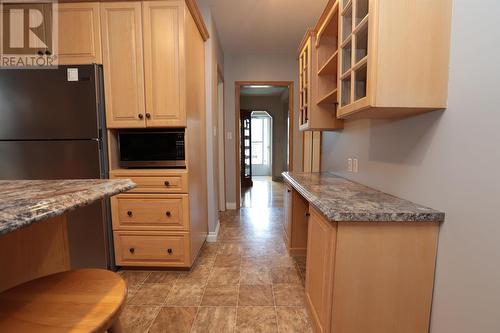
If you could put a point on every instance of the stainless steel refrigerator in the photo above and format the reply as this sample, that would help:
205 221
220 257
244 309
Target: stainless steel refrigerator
52 126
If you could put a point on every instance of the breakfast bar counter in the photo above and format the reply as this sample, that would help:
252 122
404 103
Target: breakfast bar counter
33 225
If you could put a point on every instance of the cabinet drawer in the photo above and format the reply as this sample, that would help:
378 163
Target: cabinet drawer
151 249
157 212
175 183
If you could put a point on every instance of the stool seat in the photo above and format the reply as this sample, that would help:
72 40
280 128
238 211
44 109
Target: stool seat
85 300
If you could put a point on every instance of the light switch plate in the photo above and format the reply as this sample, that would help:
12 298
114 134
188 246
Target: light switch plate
355 165
349 164
72 74
229 135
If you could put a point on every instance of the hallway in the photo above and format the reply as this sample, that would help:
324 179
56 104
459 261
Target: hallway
246 282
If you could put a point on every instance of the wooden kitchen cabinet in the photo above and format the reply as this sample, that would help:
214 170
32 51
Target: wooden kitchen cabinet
163 36
121 25
317 89
144 62
374 277
295 222
393 57
79 33
319 271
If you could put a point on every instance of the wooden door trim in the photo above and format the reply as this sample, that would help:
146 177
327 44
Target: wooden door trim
238 84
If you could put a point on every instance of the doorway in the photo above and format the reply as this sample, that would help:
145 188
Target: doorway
261 143
264 123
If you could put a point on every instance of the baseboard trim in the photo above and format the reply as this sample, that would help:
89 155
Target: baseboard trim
212 236
231 205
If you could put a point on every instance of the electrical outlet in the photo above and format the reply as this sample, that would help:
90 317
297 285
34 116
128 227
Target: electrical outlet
349 164
355 165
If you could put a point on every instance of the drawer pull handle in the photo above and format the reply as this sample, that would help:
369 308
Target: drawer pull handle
169 251
129 213
168 213
132 250
141 116
167 183
307 214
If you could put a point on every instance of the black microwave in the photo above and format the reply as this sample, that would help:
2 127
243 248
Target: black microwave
152 149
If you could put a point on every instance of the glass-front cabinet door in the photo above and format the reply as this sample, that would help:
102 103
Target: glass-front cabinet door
354 16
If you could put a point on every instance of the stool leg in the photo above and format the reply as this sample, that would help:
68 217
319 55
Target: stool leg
116 327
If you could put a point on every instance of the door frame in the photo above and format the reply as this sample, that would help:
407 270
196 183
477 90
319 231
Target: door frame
237 88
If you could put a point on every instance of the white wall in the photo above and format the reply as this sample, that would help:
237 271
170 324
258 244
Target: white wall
449 161
213 57
261 67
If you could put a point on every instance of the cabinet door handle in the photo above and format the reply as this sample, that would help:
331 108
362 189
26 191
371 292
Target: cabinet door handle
40 53
129 213
132 250
288 190
141 116
307 214
170 251
48 52
148 115
168 213
167 183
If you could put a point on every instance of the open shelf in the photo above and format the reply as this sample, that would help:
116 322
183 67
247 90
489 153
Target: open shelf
330 98
330 66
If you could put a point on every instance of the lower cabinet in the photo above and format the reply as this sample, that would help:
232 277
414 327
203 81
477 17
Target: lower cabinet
295 222
136 248
151 223
319 272
370 277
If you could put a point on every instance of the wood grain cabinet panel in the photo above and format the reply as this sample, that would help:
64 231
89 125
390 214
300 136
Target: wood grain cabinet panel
319 273
163 35
79 33
163 181
153 211
121 25
139 248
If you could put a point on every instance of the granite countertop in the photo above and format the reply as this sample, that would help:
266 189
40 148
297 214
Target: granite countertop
341 200
23 202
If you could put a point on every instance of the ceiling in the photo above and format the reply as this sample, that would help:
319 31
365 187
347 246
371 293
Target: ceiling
263 26
267 91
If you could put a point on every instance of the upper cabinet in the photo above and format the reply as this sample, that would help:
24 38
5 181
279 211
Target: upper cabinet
393 57
163 34
143 63
79 33
318 81
374 59
121 25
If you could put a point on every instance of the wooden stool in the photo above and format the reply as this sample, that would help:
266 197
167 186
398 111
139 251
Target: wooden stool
86 300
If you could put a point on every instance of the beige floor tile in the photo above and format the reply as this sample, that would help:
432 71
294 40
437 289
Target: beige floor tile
255 295
289 295
285 275
134 277
137 319
224 276
198 274
151 294
215 319
162 277
293 320
220 296
228 260
255 275
185 294
258 319
174 320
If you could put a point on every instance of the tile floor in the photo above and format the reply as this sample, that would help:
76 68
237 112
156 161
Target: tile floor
246 282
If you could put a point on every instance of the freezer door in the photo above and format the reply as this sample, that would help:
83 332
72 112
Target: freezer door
45 104
88 227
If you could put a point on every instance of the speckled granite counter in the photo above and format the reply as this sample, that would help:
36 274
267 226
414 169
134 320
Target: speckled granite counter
341 200
23 202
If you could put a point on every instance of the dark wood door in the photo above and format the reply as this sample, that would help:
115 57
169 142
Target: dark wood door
246 148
